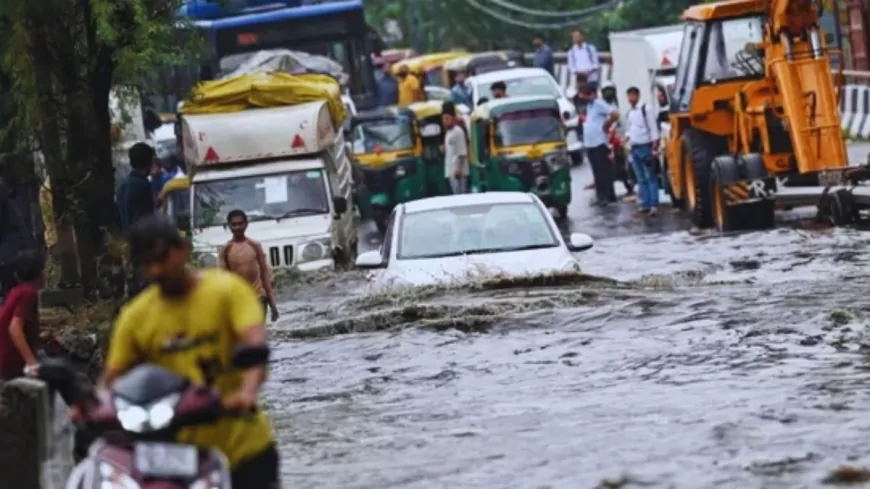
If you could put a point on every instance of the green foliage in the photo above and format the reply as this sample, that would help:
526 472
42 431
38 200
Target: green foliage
457 23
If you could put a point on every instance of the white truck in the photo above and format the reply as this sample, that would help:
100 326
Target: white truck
287 168
646 59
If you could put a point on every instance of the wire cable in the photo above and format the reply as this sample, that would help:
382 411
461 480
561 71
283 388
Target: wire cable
543 13
531 25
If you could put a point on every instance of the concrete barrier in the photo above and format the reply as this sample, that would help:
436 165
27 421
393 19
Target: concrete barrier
35 448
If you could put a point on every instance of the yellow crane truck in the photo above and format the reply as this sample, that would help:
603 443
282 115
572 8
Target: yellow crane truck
755 111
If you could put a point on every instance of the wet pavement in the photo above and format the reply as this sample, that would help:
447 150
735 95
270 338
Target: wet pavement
715 361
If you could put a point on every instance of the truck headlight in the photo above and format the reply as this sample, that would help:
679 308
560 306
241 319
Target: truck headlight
316 250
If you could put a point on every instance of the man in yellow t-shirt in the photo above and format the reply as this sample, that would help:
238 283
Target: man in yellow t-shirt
410 89
190 321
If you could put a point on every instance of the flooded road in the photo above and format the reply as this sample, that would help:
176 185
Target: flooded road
716 361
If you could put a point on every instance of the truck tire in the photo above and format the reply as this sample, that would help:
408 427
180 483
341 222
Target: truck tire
758 215
676 202
702 148
724 171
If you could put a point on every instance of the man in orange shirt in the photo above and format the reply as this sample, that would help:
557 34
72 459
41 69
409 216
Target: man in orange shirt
410 90
245 257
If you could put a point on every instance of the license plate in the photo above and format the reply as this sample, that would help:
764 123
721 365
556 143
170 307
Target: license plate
166 460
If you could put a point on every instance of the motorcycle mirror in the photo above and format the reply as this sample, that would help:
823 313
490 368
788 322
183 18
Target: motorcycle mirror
247 356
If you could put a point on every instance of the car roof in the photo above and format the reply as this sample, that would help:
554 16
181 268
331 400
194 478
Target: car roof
507 75
463 200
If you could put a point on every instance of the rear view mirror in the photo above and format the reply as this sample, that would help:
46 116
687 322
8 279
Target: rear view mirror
580 242
369 260
248 356
340 205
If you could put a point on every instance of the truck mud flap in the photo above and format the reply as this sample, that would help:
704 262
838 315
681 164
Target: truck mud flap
750 191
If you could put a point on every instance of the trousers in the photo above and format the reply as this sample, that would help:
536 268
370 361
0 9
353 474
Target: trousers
603 171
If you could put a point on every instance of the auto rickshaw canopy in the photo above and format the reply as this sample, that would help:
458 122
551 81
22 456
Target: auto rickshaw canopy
425 110
498 107
426 62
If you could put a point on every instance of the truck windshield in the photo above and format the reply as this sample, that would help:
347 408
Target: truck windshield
386 134
726 57
262 197
528 127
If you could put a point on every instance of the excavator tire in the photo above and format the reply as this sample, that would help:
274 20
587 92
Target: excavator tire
669 189
750 216
758 215
702 148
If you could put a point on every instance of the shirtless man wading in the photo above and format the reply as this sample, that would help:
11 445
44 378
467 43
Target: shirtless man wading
245 257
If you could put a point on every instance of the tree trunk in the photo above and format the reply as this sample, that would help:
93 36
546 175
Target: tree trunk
52 151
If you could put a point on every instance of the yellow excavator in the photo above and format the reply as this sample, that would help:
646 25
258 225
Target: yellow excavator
755 110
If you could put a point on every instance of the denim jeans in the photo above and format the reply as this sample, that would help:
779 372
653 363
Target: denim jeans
647 182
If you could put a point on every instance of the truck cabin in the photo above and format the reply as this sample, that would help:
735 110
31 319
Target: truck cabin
274 164
714 53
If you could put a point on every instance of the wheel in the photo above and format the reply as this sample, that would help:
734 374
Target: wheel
666 184
347 258
562 211
838 208
724 171
701 148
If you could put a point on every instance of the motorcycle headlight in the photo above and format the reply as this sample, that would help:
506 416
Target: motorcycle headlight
401 171
208 260
315 250
155 416
112 477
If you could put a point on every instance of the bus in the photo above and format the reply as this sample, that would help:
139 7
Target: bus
337 30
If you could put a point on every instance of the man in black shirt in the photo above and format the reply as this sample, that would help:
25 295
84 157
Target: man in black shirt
135 200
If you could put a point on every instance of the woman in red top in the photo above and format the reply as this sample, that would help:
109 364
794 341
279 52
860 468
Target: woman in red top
19 318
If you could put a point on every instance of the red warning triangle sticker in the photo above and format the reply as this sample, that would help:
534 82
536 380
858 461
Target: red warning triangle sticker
211 155
298 142
666 61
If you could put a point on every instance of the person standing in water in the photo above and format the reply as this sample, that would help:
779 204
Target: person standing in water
245 257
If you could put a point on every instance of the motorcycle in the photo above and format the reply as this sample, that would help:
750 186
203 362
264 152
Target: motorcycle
139 419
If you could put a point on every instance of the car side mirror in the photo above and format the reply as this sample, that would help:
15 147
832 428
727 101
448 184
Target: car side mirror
370 260
247 356
580 242
340 205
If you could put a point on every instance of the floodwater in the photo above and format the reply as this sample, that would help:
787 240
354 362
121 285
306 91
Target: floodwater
698 361
714 361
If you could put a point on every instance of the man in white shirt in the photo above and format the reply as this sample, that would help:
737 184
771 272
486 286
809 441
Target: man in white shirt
455 152
643 137
583 61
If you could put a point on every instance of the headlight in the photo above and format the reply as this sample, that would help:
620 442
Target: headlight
316 250
400 171
156 416
112 477
208 260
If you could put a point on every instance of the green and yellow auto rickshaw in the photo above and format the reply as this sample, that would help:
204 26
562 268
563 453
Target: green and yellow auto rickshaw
388 152
428 66
176 202
432 133
519 144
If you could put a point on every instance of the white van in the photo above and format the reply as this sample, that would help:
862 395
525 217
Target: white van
288 169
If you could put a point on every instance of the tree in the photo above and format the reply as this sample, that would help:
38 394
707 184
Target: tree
64 57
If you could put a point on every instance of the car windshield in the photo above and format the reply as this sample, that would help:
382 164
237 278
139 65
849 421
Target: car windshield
392 134
528 127
534 85
262 197
474 229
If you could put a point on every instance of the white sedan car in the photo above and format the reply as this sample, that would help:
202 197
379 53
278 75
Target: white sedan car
466 237
532 81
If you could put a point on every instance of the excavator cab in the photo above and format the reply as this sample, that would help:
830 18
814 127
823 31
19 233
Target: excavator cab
754 107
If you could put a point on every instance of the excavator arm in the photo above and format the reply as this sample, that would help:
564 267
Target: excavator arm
797 62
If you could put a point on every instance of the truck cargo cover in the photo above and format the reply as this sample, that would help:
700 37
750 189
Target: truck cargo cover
265 90
257 135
